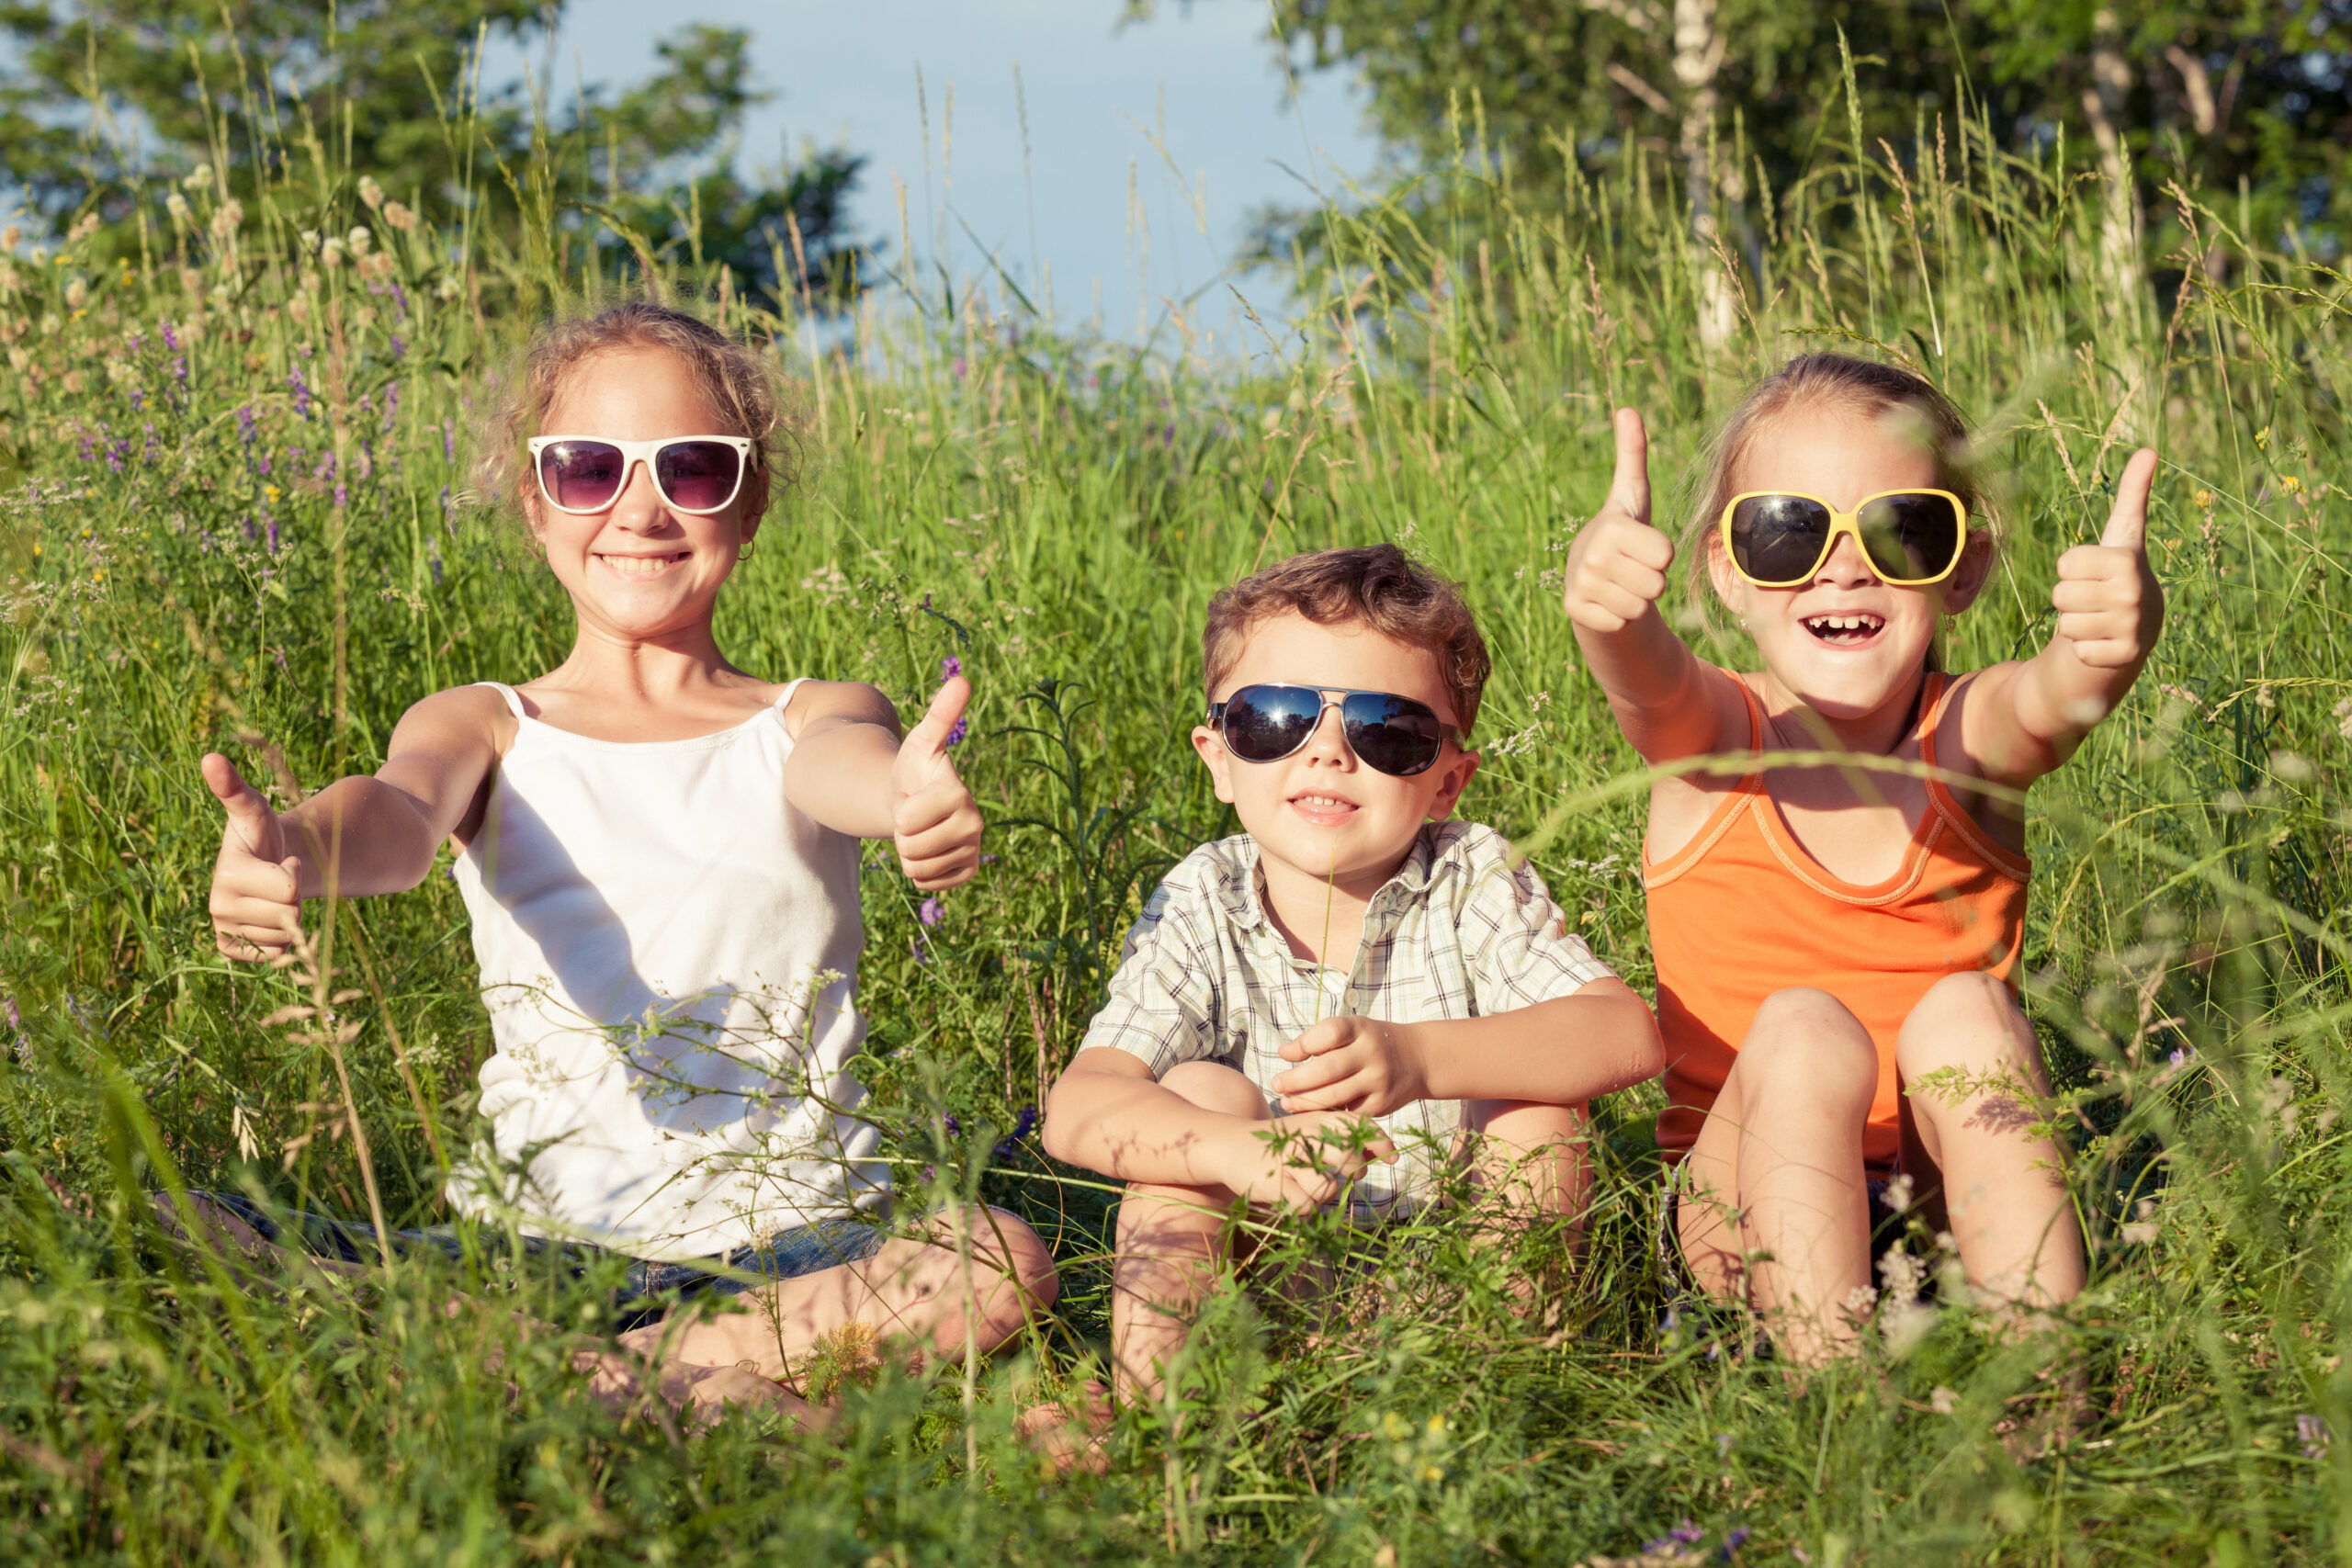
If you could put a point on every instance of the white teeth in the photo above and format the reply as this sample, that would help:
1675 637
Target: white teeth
639 566
1844 623
1322 800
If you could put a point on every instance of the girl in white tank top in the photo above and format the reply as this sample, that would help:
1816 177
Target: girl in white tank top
659 854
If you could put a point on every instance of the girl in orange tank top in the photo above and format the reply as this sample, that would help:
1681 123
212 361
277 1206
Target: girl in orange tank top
1832 928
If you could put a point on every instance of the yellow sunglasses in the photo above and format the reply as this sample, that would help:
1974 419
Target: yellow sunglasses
1780 538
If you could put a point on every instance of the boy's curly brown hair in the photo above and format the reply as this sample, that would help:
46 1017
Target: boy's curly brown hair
1377 586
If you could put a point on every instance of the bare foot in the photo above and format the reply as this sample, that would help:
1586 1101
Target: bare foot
702 1394
1071 1442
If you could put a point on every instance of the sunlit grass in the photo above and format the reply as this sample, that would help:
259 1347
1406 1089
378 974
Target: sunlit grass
237 509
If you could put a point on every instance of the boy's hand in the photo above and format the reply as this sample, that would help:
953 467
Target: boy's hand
256 902
933 817
1357 1065
2110 606
1304 1166
1617 566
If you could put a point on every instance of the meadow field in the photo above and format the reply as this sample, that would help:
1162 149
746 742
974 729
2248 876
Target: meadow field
237 511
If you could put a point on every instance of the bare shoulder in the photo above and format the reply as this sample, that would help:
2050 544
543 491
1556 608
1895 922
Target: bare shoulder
852 702
1680 806
458 714
1977 737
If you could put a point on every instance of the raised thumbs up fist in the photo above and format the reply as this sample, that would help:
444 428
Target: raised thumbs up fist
933 817
256 901
2109 604
1617 567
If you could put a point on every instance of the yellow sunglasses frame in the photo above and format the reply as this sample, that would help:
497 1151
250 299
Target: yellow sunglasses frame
1844 522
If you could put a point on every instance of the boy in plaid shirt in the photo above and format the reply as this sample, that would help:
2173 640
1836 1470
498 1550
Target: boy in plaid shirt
1352 956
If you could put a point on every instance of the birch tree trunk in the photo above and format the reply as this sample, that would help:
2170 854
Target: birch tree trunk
1698 56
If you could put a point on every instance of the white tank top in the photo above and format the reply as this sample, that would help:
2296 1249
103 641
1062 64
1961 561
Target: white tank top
669 955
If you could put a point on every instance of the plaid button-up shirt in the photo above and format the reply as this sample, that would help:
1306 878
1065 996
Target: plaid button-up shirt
1457 932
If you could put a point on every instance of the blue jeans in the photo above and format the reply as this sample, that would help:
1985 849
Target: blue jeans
649 1288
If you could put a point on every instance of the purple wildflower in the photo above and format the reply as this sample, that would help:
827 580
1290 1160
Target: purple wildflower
341 494
2313 1433
247 426
956 734
171 338
391 405
138 401
930 911
273 535
953 1126
950 667
400 349
301 391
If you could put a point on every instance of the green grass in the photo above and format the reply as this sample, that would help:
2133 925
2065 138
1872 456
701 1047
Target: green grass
1057 513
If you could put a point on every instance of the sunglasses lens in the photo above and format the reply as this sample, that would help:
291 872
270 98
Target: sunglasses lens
582 476
1264 723
1913 536
1778 538
699 476
1394 735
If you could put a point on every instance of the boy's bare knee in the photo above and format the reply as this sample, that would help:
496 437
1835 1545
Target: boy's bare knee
1024 1256
1213 1086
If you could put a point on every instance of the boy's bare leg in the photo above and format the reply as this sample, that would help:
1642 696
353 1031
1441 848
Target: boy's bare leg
915 1293
2003 1186
1531 1164
1171 1245
1777 1205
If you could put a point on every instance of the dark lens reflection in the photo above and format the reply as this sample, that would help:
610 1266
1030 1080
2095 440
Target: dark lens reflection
1910 537
1395 734
1263 724
1779 538
582 475
699 476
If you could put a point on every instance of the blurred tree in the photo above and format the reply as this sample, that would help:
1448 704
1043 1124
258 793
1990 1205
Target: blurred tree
2209 93
105 92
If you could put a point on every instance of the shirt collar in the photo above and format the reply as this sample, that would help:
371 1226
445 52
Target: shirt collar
1242 896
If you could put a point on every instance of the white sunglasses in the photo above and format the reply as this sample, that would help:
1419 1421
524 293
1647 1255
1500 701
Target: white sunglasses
585 474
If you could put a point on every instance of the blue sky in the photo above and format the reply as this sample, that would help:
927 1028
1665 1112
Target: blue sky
1201 80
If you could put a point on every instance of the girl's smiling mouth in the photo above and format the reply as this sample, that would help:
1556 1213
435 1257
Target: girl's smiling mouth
642 565
1855 629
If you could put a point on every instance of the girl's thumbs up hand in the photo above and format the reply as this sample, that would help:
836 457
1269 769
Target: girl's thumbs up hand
933 817
256 901
2110 606
1617 567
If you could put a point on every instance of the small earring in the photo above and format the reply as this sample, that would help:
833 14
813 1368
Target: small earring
745 553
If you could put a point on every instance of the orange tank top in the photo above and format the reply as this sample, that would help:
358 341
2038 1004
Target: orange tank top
1743 910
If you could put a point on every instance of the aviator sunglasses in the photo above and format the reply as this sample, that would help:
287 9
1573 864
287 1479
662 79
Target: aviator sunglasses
698 473
1911 537
1390 734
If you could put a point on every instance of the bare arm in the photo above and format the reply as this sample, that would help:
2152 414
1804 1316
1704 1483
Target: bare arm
1561 1052
1670 702
850 771
357 837
2019 721
1108 1114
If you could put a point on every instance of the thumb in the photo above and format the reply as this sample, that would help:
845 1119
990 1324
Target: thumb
2127 526
248 812
925 747
1630 490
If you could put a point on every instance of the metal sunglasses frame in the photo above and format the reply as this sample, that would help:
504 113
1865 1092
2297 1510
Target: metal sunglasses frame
1446 731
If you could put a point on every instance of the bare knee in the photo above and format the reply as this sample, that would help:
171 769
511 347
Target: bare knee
1968 1021
1806 1042
1024 1256
1213 1086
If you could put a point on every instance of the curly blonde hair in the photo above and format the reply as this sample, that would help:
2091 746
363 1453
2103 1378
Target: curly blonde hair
739 381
